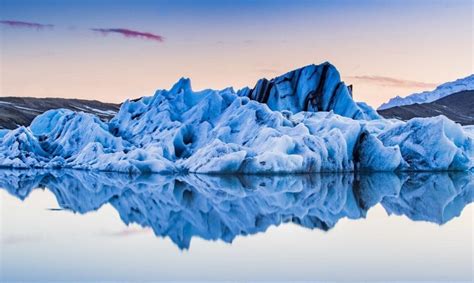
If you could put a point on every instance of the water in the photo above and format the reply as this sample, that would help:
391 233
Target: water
86 226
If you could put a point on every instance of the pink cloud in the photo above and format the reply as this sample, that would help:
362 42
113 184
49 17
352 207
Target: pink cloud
20 24
130 33
392 82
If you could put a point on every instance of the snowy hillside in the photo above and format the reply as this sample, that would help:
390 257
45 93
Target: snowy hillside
459 107
441 91
250 131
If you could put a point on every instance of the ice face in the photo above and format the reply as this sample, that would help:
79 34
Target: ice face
3 132
222 208
255 131
312 88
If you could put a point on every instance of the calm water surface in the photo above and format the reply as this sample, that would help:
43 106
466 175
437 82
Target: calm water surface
82 226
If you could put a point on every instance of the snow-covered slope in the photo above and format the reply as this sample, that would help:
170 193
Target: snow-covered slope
179 130
441 91
458 107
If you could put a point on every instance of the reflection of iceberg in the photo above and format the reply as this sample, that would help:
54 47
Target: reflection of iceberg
214 208
432 197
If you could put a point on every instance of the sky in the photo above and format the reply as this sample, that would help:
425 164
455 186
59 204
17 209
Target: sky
114 50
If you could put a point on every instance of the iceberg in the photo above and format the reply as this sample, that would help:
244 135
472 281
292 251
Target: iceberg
301 122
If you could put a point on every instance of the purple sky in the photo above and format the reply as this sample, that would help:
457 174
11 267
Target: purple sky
114 50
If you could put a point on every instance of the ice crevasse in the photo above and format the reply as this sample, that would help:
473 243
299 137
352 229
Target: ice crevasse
303 121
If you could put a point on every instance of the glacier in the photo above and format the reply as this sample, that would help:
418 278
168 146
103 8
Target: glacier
301 122
225 207
441 91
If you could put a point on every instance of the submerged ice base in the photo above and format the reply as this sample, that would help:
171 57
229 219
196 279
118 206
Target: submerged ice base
304 121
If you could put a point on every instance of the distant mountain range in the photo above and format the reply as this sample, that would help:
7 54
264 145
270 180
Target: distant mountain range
458 107
441 91
20 111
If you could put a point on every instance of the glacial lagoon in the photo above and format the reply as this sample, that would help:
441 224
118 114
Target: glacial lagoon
82 225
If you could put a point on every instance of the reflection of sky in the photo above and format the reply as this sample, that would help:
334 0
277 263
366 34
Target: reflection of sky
39 244
222 43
